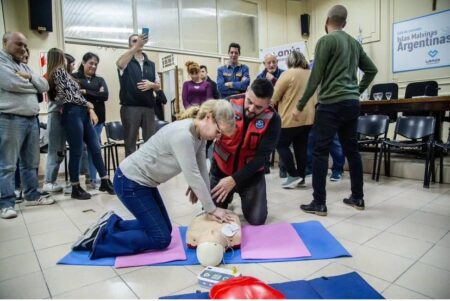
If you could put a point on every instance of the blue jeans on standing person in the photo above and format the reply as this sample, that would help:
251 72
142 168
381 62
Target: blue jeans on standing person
151 230
79 129
340 118
19 139
56 146
92 170
335 151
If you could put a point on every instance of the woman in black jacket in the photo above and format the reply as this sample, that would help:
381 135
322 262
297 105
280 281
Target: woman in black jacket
94 90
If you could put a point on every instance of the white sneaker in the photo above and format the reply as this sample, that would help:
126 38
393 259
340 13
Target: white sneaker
9 212
291 182
52 187
43 200
67 189
94 184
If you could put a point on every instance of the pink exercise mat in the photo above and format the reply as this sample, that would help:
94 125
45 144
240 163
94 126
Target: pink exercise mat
175 251
274 241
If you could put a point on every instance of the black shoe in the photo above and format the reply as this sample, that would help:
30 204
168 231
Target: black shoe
315 208
356 203
79 193
283 173
266 169
107 186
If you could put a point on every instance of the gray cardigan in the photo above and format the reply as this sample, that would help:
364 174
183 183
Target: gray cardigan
173 149
17 95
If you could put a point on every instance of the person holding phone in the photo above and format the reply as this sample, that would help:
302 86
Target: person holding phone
138 80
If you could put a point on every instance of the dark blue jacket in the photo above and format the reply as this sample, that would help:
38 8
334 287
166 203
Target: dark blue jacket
277 75
228 73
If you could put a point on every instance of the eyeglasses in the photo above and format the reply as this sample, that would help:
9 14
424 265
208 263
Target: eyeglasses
219 131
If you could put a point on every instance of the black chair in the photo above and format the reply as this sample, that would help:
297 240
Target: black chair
115 137
427 88
383 88
441 147
159 124
412 128
373 131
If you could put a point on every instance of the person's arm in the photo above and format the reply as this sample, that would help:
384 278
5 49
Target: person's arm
369 69
10 81
39 82
243 84
98 96
201 161
66 89
280 89
321 56
125 58
216 93
221 81
182 145
265 148
184 96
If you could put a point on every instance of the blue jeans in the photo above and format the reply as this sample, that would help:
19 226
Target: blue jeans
79 129
92 170
340 118
56 146
19 139
335 151
151 230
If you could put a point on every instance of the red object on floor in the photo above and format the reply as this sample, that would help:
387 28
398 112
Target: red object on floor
244 287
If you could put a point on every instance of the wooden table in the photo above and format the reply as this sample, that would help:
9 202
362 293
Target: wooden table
430 104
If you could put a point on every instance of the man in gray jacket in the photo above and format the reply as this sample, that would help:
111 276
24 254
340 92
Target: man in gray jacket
19 127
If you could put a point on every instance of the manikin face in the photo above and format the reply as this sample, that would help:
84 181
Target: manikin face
90 66
271 63
254 105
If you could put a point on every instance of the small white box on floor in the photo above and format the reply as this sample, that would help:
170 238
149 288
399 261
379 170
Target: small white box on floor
212 275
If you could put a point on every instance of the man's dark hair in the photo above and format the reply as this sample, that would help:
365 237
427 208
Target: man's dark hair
262 88
203 67
234 45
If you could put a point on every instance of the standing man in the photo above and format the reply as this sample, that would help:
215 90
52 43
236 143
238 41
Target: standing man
272 73
238 163
234 77
19 126
204 76
138 79
271 70
337 58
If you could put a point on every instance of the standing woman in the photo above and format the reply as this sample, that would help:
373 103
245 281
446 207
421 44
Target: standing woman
78 118
195 91
177 147
94 89
288 90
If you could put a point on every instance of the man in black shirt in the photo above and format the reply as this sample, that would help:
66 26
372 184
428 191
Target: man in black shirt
238 163
204 76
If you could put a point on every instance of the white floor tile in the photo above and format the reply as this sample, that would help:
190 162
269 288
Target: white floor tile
430 219
15 247
438 256
49 257
29 286
55 238
427 280
398 292
19 265
352 232
296 270
418 231
445 241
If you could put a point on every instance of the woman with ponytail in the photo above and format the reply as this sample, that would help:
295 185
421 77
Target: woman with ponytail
175 148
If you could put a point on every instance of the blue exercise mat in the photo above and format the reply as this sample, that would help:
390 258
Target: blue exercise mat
346 286
320 243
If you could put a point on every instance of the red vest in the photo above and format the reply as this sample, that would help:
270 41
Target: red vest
232 153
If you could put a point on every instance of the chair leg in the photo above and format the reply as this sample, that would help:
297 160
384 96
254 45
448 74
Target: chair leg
441 167
426 178
374 167
66 176
380 158
387 161
116 164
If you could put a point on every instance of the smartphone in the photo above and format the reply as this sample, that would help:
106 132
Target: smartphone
145 31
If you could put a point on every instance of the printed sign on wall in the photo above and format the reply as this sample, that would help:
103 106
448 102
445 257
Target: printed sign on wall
282 52
421 43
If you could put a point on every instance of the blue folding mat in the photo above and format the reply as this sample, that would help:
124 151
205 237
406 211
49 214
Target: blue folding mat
320 243
346 286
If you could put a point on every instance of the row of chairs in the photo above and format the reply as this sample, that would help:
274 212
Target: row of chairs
417 133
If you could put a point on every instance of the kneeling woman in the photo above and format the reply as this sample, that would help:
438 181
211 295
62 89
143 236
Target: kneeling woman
177 147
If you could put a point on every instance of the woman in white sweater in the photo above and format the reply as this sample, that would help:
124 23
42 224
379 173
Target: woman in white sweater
177 147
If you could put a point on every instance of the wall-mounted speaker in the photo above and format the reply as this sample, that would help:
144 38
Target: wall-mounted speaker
40 15
304 22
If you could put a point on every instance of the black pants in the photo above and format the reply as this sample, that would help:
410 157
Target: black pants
341 117
298 137
252 192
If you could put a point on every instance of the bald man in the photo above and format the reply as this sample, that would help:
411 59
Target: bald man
271 70
336 60
19 126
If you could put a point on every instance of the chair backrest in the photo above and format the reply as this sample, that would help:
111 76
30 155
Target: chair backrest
415 127
428 88
373 125
114 131
388 87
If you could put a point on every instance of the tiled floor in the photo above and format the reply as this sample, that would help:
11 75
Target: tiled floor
400 243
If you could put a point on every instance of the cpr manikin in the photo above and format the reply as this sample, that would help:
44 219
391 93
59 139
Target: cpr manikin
212 238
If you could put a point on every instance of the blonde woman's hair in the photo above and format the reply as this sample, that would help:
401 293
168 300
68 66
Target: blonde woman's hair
220 109
192 66
296 59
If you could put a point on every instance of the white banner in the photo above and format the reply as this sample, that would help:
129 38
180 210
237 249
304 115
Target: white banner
282 52
421 43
